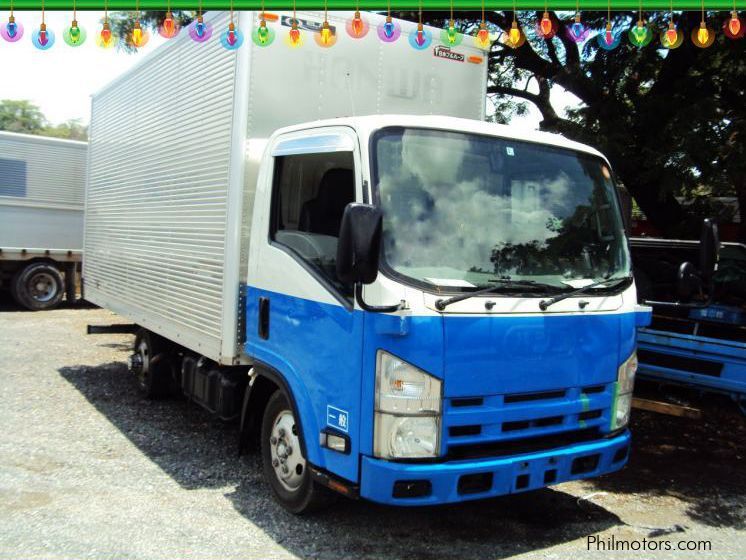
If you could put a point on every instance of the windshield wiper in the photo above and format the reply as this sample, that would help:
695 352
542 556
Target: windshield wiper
496 285
545 303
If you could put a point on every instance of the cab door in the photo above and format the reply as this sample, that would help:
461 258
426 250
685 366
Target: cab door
301 320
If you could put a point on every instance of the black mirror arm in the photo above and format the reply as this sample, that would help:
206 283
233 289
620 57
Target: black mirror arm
375 308
679 305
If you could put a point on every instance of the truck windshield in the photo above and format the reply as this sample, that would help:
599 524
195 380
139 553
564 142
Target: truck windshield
463 210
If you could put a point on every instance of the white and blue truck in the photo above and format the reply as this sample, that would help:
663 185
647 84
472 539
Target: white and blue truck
397 300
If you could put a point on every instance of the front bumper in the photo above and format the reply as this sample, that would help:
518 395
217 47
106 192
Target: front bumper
417 484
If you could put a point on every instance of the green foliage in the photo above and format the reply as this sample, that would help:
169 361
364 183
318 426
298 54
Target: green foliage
21 116
24 117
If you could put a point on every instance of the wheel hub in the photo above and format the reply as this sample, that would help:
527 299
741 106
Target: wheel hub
287 460
42 287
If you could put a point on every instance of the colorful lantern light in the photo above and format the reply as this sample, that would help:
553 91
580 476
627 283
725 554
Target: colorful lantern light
483 37
577 31
326 37
421 38
43 38
199 30
608 40
546 29
138 37
232 38
703 36
672 38
390 31
515 36
640 35
262 34
74 35
357 27
449 36
13 30
168 28
734 28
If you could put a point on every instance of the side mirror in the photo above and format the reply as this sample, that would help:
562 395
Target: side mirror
688 282
709 249
359 244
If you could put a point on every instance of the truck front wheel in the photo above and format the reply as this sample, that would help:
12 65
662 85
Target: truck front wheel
285 467
38 286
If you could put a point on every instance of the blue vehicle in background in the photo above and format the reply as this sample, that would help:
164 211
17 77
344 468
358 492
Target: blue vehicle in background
699 342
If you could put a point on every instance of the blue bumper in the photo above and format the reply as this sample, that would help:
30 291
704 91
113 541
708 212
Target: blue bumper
418 484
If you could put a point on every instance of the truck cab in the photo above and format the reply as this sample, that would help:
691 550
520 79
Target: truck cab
446 306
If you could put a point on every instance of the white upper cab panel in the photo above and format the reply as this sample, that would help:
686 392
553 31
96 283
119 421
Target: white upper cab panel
422 297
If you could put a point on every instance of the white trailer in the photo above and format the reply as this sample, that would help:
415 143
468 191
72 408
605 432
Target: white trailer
42 190
175 150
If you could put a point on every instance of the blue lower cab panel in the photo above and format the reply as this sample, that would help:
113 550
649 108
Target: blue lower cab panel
419 484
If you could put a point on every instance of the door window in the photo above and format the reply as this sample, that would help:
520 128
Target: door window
309 196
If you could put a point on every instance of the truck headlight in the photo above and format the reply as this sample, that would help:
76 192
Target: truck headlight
623 392
408 407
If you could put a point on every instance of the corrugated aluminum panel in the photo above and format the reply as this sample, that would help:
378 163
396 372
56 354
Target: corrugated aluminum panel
42 172
158 192
42 186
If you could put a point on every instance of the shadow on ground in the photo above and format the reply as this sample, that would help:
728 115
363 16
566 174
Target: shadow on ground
702 462
8 304
199 452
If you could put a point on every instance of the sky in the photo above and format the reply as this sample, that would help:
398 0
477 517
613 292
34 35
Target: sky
62 79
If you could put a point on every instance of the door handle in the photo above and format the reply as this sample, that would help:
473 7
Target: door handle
263 327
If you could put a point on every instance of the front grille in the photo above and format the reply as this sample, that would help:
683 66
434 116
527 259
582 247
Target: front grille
493 425
521 446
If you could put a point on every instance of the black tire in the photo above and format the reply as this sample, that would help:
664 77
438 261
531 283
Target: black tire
308 495
155 372
38 286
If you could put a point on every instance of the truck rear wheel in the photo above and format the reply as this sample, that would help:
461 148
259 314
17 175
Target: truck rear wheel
38 286
285 468
151 364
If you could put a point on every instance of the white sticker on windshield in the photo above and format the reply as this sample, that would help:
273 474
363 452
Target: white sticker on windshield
509 150
452 282
578 283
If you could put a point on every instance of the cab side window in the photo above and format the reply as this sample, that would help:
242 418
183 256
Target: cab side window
309 196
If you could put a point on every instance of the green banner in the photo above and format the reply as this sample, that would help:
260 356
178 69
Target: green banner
374 5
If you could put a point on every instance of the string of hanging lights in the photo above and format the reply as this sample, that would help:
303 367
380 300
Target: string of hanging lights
326 35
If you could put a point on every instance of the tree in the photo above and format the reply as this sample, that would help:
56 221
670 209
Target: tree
21 116
670 122
24 117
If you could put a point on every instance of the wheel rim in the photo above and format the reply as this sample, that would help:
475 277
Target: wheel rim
42 287
144 352
287 459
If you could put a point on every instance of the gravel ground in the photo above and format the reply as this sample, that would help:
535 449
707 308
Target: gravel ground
88 469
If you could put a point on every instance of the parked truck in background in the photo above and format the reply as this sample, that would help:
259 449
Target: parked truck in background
408 308
42 185
701 342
